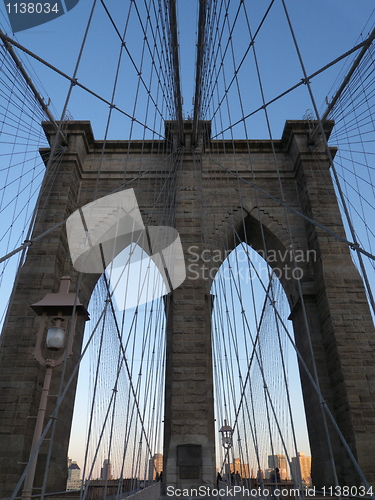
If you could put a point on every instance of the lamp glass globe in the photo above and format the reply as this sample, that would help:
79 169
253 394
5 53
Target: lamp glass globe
55 338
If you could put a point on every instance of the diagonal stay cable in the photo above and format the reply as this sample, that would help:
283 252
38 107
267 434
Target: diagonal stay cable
352 245
302 82
30 83
75 81
345 81
65 390
58 404
125 362
316 388
237 69
138 71
29 242
356 246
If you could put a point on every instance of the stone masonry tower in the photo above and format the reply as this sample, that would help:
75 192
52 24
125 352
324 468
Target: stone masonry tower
226 212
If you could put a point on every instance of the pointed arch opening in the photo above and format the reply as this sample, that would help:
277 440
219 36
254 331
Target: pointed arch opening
257 387
117 428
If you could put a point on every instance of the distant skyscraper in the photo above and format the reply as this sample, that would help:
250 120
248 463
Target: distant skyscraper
239 468
106 472
301 474
74 476
155 466
268 473
280 462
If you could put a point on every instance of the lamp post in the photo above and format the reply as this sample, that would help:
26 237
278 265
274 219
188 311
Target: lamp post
53 307
227 441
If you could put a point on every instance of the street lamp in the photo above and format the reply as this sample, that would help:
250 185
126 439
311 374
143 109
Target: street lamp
56 306
226 436
227 442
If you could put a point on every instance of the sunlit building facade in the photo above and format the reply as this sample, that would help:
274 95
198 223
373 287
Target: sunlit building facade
155 466
74 476
301 474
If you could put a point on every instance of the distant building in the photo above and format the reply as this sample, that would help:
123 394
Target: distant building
280 462
239 468
268 473
155 466
106 471
301 474
74 476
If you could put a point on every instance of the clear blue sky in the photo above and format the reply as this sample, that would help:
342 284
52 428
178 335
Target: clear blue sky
324 29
